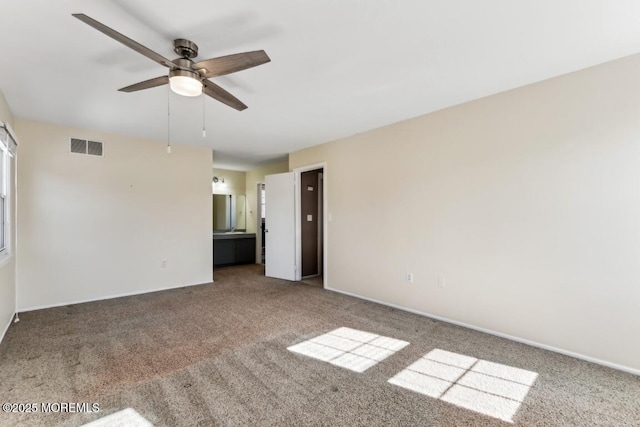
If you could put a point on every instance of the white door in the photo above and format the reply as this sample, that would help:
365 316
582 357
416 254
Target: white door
280 233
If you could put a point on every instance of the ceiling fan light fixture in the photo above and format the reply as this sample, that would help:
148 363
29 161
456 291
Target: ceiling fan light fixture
184 82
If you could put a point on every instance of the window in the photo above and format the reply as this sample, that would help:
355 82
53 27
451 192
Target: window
3 196
7 151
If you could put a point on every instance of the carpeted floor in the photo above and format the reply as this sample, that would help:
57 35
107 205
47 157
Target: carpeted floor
217 354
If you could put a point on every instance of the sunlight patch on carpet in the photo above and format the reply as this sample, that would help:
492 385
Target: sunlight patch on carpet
125 418
349 348
478 385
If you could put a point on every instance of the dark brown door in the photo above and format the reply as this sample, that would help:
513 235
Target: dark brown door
310 198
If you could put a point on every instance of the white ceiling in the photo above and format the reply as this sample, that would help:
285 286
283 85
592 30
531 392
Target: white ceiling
338 67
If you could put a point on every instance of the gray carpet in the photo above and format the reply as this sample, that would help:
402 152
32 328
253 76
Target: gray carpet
217 354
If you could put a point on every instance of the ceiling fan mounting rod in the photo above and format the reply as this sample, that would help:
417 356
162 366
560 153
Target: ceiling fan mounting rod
185 48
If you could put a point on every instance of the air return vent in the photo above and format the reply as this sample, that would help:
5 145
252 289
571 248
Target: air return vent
83 146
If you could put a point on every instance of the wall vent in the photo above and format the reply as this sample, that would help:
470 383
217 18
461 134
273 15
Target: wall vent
83 146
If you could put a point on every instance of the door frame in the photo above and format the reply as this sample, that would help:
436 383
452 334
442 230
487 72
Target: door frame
325 220
259 223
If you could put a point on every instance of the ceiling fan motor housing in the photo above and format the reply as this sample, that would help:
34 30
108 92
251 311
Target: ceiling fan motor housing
185 48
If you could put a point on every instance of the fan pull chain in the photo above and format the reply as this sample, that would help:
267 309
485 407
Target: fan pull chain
169 121
204 128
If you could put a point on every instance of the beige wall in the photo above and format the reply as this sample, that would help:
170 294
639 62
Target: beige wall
8 260
525 204
234 182
93 228
254 177
5 111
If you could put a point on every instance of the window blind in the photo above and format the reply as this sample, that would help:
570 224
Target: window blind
7 139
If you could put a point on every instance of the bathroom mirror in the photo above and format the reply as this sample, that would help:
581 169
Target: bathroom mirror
229 212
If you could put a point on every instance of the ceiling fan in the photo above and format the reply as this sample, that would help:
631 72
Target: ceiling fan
186 77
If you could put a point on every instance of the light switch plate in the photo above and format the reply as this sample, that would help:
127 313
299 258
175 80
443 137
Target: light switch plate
309 218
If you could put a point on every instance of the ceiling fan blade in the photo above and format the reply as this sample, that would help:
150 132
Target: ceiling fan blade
231 63
147 84
125 40
216 92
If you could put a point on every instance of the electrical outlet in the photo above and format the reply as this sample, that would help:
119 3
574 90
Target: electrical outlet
163 264
442 282
409 278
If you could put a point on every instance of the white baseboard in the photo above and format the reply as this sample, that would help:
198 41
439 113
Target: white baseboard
128 294
498 334
4 332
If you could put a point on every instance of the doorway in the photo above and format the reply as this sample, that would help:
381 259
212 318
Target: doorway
311 185
284 221
311 223
260 226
